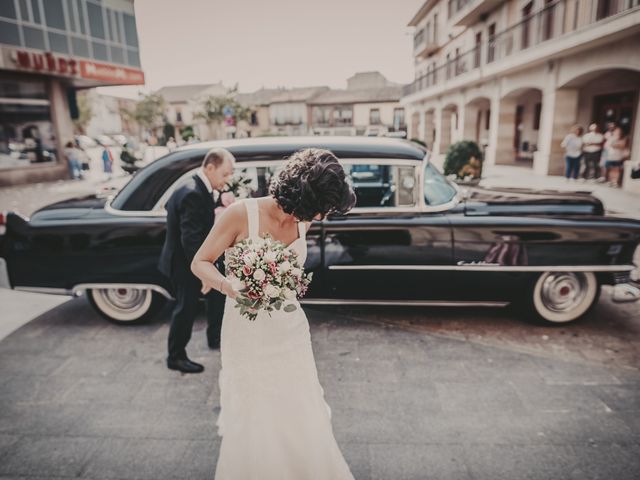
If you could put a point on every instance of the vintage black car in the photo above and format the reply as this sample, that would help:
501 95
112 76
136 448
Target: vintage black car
414 238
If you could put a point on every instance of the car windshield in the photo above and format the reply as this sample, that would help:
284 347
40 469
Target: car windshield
437 189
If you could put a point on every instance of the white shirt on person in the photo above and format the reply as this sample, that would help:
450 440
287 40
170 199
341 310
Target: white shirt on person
572 145
592 142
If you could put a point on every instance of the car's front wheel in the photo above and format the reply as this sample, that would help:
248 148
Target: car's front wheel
562 297
125 305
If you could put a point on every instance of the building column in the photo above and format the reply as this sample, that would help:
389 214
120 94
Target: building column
627 182
494 128
437 115
460 119
408 110
61 119
429 128
421 135
559 113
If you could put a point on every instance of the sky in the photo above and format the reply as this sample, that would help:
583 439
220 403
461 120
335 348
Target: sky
271 43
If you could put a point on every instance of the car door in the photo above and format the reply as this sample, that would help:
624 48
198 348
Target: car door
389 247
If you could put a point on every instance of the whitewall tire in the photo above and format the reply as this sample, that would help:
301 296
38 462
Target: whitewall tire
562 297
125 305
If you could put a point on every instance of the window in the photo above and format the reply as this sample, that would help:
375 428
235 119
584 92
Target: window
382 185
80 47
374 116
58 42
398 119
343 115
491 45
9 33
321 115
437 189
96 22
35 9
33 37
7 9
100 51
54 14
130 30
81 19
477 51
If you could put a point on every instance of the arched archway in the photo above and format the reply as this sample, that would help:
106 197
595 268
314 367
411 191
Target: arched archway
517 139
476 121
450 119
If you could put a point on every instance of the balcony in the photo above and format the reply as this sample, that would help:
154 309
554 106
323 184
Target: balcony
560 25
468 12
423 46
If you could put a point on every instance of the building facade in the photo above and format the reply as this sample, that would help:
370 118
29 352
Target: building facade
49 50
515 76
289 111
370 106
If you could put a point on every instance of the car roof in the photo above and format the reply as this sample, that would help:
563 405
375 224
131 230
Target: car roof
277 148
148 184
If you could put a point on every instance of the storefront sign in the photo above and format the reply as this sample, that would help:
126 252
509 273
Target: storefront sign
59 65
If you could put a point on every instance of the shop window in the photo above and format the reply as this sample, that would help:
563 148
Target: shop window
33 37
96 22
26 130
9 33
100 51
80 47
58 43
54 14
7 9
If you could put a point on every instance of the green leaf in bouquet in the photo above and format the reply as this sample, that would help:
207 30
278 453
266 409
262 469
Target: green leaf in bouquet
289 308
278 305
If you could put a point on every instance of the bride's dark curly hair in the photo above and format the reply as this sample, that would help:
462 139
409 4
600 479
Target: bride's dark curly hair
312 182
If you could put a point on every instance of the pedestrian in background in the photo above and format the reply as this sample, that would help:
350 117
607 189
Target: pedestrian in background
73 160
572 145
107 160
592 143
617 153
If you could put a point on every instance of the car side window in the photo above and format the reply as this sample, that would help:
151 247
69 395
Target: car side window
246 181
380 185
437 189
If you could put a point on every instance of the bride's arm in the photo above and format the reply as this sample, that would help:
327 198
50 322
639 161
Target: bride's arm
223 235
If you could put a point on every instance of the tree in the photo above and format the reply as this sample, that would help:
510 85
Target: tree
148 112
214 108
85 114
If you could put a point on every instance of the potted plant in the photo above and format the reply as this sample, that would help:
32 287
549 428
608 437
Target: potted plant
463 162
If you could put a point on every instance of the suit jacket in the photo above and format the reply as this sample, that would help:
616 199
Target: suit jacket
190 217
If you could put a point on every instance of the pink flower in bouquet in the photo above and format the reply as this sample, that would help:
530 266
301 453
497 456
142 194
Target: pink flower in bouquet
226 199
253 295
247 270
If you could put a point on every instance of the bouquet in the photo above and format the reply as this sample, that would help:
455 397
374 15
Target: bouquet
267 274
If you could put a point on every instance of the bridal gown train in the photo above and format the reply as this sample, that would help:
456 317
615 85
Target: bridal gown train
274 421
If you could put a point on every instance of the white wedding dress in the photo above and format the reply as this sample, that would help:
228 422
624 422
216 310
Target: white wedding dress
274 421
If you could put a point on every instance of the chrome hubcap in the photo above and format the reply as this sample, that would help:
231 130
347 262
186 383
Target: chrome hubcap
124 299
564 291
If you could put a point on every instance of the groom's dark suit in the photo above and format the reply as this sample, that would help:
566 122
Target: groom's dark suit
190 217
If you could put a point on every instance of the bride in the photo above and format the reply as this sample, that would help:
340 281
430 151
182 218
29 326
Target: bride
274 421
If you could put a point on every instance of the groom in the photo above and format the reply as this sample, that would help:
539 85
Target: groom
190 217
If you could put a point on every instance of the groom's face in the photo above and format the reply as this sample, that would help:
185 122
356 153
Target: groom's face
220 175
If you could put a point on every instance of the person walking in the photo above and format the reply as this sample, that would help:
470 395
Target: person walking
73 160
107 160
592 143
190 217
572 144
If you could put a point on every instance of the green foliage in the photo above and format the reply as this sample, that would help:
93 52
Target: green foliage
187 132
213 108
463 159
84 111
168 131
148 112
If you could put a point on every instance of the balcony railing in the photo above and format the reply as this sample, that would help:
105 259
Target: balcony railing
556 19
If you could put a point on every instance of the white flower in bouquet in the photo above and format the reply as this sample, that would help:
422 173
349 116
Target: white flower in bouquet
272 291
269 274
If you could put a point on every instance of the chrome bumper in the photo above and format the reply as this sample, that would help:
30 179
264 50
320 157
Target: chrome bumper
625 292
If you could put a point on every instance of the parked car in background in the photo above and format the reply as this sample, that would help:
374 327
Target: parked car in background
413 238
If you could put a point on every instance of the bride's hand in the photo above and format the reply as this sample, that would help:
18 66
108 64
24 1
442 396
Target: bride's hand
228 290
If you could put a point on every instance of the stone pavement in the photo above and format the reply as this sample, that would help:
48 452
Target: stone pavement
83 398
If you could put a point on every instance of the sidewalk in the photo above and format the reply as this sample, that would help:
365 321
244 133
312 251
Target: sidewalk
616 201
82 398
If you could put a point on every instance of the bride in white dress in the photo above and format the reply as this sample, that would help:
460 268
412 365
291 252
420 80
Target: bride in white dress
274 421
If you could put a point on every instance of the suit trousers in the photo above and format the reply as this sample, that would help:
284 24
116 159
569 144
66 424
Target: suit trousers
186 288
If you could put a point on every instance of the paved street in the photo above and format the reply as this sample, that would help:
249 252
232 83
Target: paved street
413 397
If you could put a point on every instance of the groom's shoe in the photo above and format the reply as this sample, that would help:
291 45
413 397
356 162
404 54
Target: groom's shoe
184 365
